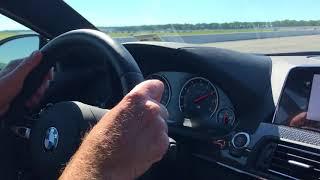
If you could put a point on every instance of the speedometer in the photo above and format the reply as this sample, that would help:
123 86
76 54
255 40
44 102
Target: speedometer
198 99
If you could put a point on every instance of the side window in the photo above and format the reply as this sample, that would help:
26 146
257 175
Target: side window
16 41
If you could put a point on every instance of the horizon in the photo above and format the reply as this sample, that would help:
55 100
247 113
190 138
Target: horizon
26 29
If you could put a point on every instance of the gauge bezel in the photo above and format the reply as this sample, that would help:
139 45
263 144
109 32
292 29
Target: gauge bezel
164 80
229 109
202 78
247 142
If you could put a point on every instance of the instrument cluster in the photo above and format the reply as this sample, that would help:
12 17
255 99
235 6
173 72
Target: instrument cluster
195 102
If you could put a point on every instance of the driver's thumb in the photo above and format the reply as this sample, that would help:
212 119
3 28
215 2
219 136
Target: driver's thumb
27 65
150 88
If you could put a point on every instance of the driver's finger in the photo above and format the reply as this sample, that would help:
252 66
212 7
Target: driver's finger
11 66
27 65
32 102
49 76
38 95
36 98
299 120
42 89
162 110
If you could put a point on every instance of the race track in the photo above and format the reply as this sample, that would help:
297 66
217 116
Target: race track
284 40
213 38
273 45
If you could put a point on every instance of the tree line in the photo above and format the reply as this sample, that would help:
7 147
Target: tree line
213 26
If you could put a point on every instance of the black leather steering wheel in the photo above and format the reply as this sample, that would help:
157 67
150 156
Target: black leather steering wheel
109 50
56 134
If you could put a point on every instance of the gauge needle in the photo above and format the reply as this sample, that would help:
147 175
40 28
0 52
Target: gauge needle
225 118
203 97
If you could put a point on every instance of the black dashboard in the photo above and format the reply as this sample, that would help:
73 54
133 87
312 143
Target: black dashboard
238 84
243 90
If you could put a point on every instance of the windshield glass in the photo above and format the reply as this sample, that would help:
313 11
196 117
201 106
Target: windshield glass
273 26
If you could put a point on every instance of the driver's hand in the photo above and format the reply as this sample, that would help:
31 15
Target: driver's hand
299 120
127 140
12 78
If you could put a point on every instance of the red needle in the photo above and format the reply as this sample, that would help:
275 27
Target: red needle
225 118
202 97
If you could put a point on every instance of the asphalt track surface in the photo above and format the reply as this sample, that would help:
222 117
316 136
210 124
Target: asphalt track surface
273 45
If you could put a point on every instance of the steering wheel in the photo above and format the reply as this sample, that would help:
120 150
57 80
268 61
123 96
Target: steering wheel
56 134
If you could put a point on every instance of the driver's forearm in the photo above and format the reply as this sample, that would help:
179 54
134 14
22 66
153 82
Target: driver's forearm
89 161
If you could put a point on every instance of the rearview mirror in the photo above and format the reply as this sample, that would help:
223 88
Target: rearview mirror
17 47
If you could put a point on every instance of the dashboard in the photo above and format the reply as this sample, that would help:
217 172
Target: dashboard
224 107
229 112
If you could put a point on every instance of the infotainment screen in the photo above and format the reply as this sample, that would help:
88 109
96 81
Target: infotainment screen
299 104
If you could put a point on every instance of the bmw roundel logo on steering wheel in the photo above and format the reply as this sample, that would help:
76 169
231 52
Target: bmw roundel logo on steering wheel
51 139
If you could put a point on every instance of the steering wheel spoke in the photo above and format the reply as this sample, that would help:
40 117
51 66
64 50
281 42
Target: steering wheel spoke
21 131
23 128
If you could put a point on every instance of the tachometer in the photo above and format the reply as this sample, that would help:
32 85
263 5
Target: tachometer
167 90
198 99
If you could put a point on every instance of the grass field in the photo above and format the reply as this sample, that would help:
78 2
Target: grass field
4 34
186 33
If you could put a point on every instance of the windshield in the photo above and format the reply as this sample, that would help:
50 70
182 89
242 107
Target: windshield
273 26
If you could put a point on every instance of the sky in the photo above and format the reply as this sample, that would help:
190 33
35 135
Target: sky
146 12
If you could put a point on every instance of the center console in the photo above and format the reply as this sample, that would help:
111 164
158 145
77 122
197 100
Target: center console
289 147
299 104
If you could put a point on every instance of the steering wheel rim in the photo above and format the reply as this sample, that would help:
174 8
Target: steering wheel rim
111 51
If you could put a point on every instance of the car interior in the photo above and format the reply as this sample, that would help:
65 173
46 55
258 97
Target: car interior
232 114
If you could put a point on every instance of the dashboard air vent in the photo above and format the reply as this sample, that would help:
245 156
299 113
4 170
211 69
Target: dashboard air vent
290 161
